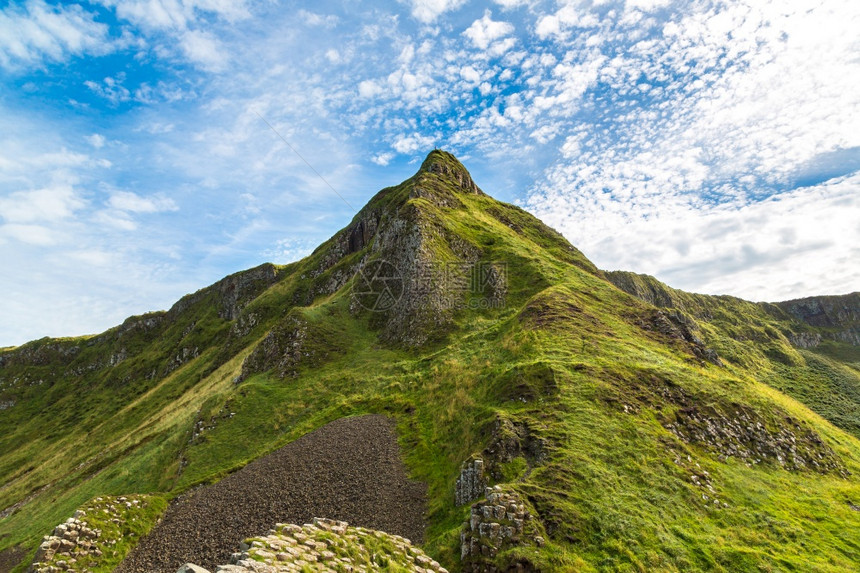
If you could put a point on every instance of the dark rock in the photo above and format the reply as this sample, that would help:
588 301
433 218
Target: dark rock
471 482
838 316
496 524
741 432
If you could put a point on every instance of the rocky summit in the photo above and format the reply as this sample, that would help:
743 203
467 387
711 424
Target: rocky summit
445 372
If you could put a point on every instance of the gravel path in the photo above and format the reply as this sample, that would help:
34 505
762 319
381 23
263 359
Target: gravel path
349 470
10 558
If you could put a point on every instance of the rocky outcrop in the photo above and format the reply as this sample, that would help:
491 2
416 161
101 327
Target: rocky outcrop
805 339
143 323
646 288
676 325
237 290
729 429
408 238
89 539
191 568
471 483
293 343
745 435
355 237
43 352
409 243
513 439
498 523
450 170
325 545
232 293
182 356
69 542
281 349
838 317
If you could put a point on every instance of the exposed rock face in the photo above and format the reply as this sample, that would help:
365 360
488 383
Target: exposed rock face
40 353
410 236
511 440
731 429
839 316
325 545
805 339
281 349
447 166
238 289
233 292
743 434
407 243
678 326
496 524
671 320
355 237
644 288
471 483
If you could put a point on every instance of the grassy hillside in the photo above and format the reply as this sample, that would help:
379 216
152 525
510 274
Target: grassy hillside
824 373
658 432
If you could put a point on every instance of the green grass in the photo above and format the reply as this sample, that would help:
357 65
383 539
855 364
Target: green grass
566 356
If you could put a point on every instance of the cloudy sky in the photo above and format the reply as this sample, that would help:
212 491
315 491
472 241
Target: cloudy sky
714 144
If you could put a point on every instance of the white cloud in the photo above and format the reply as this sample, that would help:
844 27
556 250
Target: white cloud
186 28
773 249
96 140
202 48
134 203
112 218
156 127
37 235
382 158
289 250
94 258
176 14
565 18
428 10
485 31
470 74
313 19
36 31
111 88
511 4
369 88
412 143
47 204
646 5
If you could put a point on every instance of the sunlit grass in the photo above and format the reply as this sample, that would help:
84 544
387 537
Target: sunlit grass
563 357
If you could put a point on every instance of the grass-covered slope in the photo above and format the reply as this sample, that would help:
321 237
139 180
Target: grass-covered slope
662 431
807 348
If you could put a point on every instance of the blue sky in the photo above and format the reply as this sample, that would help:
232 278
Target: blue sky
714 144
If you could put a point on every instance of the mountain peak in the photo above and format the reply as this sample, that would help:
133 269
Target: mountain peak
446 165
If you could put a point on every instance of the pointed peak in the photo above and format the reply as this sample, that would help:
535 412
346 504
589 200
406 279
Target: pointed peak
445 164
443 157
